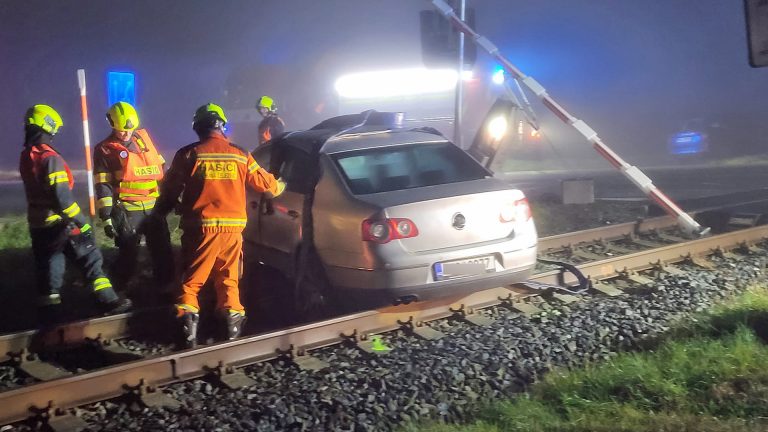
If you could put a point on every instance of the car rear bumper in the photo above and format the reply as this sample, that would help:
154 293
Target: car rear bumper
385 287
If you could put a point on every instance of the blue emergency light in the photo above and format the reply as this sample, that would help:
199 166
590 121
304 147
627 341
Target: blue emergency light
121 87
498 76
687 142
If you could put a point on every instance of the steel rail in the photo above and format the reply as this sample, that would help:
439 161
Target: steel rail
118 326
113 381
606 232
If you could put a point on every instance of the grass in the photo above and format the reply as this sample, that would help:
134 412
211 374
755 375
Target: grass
14 233
708 375
17 273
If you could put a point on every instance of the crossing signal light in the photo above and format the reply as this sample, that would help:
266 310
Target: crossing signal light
440 41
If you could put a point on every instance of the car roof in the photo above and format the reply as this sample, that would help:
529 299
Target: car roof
355 132
377 139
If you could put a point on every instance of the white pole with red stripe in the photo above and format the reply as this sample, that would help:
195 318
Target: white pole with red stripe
684 220
87 142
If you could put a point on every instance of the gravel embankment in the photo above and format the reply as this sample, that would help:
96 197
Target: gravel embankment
422 379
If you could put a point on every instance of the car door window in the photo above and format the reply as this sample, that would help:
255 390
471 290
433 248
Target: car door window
298 170
262 156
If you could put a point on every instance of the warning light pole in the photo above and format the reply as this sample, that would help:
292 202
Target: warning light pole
86 142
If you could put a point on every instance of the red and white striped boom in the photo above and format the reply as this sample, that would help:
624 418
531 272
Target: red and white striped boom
684 220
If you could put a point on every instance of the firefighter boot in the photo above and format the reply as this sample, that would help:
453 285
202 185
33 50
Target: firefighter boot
189 323
121 305
235 323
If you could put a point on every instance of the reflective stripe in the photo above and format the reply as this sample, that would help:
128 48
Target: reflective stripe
104 202
52 219
72 210
139 205
102 178
126 196
238 312
57 174
187 308
101 283
253 167
85 228
223 222
50 299
146 184
57 177
57 180
222 157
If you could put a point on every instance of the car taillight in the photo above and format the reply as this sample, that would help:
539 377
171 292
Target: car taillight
518 211
385 230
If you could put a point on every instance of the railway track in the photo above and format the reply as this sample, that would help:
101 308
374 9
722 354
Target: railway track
622 251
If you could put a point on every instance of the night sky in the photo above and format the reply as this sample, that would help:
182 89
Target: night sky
636 71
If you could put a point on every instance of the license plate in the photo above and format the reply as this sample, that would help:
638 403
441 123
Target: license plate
464 268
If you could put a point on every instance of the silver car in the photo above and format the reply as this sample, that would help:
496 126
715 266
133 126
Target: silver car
375 215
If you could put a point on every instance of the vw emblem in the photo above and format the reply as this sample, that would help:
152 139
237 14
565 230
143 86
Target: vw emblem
459 221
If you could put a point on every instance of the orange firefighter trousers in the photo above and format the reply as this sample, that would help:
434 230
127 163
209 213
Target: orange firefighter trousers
212 253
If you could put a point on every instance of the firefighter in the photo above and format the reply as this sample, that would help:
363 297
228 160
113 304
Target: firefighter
271 125
58 228
211 177
127 169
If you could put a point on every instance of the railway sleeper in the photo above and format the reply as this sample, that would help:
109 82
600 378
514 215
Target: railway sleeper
471 316
527 309
633 276
700 262
747 249
301 358
660 267
420 329
56 419
29 363
152 397
606 289
368 343
230 377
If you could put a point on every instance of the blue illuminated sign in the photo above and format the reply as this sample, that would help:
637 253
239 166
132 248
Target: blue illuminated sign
688 142
121 87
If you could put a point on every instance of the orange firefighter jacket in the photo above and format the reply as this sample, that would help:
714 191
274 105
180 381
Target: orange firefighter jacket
129 173
213 174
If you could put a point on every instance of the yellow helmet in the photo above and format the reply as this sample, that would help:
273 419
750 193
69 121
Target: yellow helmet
266 102
45 117
210 112
122 116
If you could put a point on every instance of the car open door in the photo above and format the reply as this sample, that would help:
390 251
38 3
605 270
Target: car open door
493 131
254 199
281 219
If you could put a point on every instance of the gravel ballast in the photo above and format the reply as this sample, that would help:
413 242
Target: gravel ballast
420 379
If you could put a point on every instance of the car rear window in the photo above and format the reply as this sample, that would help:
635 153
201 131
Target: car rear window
406 166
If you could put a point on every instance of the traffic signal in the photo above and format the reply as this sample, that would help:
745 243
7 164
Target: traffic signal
757 31
440 41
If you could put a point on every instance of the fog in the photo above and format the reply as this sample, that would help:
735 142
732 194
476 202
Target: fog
637 72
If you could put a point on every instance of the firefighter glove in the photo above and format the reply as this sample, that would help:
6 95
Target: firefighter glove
109 229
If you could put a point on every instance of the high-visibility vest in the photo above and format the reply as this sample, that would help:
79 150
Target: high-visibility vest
137 180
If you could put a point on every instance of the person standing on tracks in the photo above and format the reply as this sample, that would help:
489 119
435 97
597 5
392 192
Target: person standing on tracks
271 125
127 172
211 176
58 228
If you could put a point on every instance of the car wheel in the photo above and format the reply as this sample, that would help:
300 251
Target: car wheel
312 296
